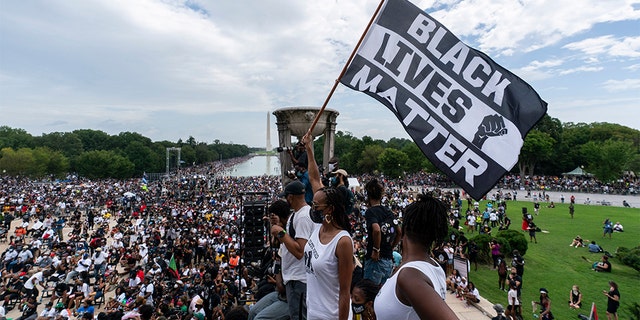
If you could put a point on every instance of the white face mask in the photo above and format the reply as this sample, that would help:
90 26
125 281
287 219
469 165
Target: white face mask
331 167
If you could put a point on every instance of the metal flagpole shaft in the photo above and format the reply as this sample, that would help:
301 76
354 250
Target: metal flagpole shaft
344 69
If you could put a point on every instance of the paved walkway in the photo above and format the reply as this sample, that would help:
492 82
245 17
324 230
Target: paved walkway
479 311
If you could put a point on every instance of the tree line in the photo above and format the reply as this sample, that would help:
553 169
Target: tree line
96 154
604 149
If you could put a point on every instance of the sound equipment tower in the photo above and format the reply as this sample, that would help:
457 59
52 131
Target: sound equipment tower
255 231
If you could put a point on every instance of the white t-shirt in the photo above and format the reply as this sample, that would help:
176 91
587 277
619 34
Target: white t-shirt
322 276
292 267
388 306
35 279
83 264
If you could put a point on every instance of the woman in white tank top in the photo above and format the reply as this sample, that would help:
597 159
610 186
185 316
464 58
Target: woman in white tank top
328 255
418 289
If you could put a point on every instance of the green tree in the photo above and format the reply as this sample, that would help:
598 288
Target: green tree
15 138
66 142
204 154
57 164
124 139
188 155
348 149
606 160
538 146
392 162
94 139
368 161
17 162
99 164
143 158
416 159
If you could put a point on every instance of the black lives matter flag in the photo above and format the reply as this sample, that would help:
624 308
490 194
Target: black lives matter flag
467 114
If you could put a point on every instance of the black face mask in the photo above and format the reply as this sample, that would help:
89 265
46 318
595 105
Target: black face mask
357 308
317 216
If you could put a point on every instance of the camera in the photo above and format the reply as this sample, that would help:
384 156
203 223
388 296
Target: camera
282 149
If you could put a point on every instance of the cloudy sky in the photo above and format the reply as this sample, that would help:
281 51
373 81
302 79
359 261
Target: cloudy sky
212 69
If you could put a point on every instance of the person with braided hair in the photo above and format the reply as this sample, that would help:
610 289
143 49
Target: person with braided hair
417 290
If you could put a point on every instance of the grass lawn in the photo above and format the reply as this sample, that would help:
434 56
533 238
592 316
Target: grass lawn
554 265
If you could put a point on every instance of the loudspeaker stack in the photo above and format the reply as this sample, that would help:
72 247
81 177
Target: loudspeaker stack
255 230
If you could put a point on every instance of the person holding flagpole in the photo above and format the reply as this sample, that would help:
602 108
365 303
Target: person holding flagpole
328 254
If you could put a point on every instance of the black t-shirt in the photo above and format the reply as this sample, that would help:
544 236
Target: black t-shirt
388 230
518 262
27 311
612 304
514 280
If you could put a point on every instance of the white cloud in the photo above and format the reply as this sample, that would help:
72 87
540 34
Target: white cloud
580 69
530 25
622 85
174 68
609 45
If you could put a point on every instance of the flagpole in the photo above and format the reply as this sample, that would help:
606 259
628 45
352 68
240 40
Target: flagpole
344 69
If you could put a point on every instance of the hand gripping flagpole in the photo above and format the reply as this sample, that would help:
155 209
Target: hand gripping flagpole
344 69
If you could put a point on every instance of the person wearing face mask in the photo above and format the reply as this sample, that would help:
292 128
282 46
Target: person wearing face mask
339 181
333 164
362 296
293 238
302 175
328 254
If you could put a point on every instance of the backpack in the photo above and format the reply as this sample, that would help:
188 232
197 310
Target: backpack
502 268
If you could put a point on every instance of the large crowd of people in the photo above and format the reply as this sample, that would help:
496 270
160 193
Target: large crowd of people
626 185
174 247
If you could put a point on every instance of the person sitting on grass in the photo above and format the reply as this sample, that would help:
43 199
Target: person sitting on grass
577 242
594 248
575 297
618 227
602 266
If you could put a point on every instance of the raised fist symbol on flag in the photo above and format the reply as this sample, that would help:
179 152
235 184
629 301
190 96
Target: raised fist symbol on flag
491 126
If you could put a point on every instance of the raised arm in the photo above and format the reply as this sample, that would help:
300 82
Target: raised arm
314 172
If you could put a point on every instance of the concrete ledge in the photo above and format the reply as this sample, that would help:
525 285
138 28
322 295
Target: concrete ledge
485 306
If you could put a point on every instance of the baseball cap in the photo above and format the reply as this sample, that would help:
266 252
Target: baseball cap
498 308
543 290
294 187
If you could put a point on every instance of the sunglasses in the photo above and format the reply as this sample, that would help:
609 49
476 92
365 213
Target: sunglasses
316 206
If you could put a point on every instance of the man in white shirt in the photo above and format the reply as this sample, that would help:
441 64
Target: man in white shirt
146 290
293 239
83 266
10 255
99 262
35 279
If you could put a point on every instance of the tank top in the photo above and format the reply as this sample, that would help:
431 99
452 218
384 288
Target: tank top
323 285
388 306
